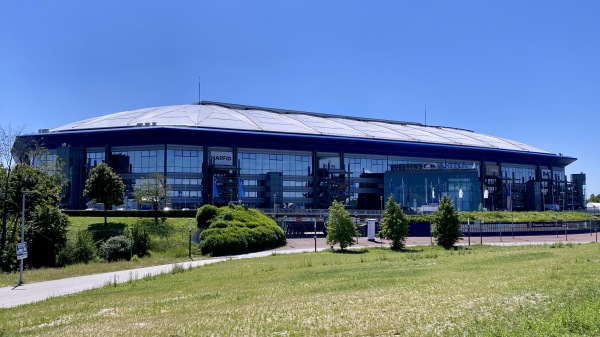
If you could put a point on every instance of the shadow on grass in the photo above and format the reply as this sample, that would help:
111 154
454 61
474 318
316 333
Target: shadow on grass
101 232
350 251
109 226
408 250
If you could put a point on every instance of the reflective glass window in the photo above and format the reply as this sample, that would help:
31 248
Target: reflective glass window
184 160
291 164
93 158
137 161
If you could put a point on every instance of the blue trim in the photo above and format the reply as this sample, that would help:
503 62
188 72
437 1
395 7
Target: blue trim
279 141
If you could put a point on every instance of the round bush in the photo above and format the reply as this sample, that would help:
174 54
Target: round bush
116 248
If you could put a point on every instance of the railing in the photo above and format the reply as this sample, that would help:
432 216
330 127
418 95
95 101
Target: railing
530 228
318 212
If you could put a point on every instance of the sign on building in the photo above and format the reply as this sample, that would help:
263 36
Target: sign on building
222 157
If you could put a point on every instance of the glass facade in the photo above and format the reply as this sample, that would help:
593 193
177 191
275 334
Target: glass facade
184 175
187 160
132 160
518 173
303 179
367 183
263 189
253 162
416 189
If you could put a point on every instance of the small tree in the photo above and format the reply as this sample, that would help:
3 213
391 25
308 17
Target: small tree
395 224
152 190
340 228
446 224
105 187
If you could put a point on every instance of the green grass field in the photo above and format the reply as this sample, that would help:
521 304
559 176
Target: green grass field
169 245
550 290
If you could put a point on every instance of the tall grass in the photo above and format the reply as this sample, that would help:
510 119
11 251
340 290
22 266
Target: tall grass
425 291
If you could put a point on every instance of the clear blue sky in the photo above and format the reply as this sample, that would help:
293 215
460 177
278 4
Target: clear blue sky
523 70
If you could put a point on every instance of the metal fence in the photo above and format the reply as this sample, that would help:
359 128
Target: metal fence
294 229
530 228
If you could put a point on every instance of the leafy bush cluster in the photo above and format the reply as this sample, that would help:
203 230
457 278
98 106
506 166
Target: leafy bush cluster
140 235
237 230
107 242
80 250
45 225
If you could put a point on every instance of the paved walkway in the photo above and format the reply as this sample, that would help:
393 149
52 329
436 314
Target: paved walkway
33 292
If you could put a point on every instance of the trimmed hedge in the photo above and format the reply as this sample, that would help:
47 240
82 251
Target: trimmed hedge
249 230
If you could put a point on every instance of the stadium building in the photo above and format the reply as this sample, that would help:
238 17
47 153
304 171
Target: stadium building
216 153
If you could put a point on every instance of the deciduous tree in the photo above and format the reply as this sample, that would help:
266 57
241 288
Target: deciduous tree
105 187
152 190
45 225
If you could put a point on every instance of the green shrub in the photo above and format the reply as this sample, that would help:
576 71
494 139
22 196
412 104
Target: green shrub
340 229
80 250
446 224
116 248
247 230
205 214
227 216
141 239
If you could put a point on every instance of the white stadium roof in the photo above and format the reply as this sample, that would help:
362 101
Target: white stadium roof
213 115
